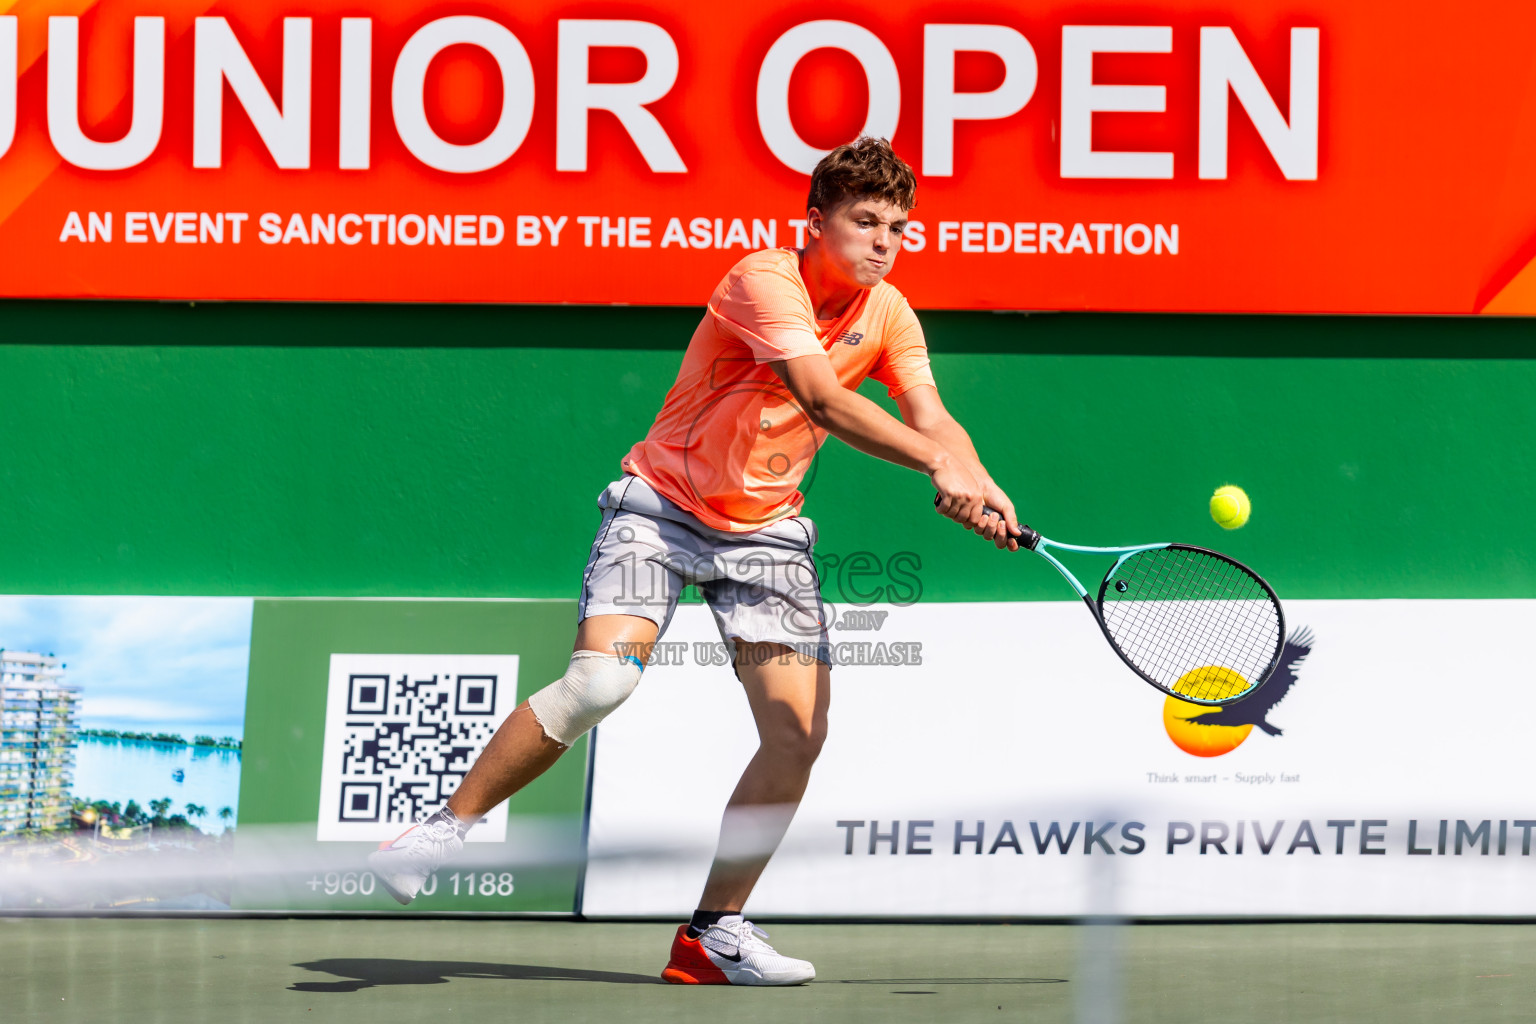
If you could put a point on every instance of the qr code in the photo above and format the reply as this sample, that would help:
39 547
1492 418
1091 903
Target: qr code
401 732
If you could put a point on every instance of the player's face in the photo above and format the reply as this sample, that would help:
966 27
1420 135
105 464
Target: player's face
860 238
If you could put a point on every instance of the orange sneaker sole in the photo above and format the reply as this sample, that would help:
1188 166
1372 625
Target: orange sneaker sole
679 976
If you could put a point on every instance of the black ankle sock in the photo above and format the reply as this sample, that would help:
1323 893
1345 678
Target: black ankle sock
702 919
453 819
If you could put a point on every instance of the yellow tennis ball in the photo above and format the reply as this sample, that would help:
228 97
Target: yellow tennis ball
1230 507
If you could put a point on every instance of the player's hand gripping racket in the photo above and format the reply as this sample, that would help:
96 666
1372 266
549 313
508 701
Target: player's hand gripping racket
1190 621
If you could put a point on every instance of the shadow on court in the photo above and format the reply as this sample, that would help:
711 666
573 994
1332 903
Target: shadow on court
358 974
943 981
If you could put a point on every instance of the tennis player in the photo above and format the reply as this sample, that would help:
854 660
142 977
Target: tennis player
710 498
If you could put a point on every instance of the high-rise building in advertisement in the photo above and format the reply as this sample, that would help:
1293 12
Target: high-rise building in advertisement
37 741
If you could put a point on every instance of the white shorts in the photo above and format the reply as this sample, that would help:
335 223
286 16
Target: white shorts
761 586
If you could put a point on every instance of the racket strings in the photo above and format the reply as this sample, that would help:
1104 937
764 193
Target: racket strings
1174 646
1225 604
1183 611
1199 620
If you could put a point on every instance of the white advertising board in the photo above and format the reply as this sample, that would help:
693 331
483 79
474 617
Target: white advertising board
1021 770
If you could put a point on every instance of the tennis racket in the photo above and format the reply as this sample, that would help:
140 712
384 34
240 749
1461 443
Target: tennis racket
1194 623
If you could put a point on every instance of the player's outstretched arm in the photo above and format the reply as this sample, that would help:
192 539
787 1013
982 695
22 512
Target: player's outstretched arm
854 419
923 411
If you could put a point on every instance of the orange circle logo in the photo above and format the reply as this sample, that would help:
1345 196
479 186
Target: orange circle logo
1204 738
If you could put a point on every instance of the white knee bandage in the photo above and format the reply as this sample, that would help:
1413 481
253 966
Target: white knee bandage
591 688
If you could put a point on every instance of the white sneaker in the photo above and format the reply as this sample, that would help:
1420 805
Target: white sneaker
732 953
404 865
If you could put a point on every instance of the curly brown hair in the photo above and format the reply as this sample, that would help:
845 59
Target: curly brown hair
866 168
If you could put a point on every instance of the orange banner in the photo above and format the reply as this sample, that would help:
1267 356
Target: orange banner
1370 157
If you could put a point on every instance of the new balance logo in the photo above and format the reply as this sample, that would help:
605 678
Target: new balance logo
850 337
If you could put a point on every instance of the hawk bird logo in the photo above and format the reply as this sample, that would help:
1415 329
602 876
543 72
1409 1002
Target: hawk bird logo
1255 710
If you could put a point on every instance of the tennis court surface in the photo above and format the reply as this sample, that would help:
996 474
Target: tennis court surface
226 971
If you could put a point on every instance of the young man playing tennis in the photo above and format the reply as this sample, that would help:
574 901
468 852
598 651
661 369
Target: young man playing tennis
710 497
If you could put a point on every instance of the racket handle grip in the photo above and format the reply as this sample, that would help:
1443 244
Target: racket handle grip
1027 538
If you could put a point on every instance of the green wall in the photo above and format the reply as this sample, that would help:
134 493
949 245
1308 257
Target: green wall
273 450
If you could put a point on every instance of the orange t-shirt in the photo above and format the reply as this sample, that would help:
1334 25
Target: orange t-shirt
730 444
